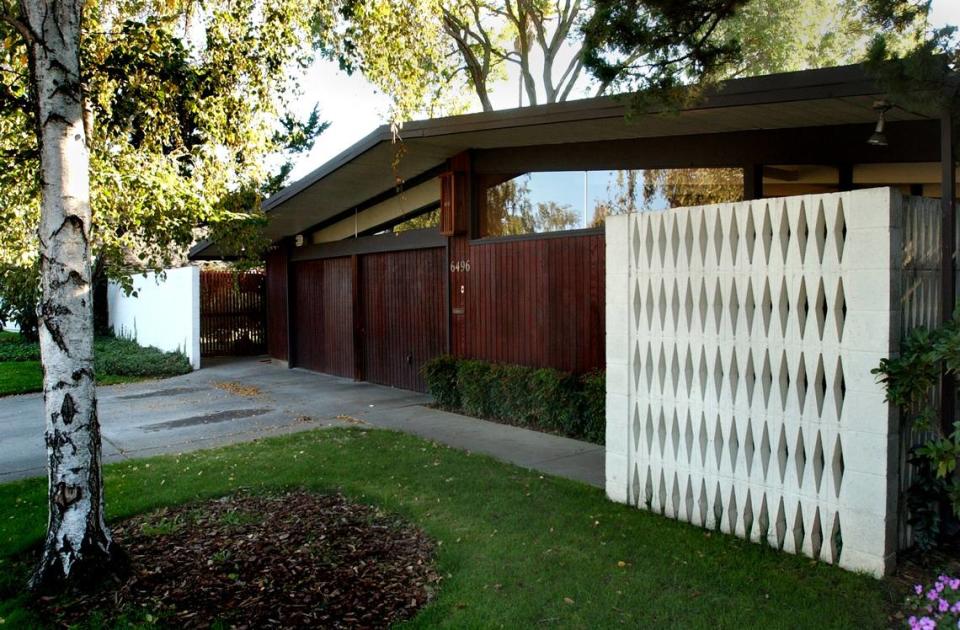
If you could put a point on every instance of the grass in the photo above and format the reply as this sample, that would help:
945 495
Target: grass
116 361
518 549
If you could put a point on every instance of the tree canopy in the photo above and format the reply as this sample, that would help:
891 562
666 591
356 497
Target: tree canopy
191 114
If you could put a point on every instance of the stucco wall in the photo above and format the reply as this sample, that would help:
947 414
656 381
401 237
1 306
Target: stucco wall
740 339
163 312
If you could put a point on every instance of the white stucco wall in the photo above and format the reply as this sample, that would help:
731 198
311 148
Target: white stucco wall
164 313
740 339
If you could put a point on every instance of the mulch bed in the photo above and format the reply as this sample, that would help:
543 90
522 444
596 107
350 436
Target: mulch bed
292 560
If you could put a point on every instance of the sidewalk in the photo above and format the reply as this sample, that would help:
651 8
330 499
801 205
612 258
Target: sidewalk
551 454
197 411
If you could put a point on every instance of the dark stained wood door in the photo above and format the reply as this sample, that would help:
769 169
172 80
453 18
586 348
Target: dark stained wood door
323 316
402 301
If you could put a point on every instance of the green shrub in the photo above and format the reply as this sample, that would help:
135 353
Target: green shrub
474 380
555 400
539 398
13 347
510 394
440 375
124 357
594 407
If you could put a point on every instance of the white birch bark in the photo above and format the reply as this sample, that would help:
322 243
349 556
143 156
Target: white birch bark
78 541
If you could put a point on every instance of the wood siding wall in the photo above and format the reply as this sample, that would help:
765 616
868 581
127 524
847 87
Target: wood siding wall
276 269
531 301
402 299
323 316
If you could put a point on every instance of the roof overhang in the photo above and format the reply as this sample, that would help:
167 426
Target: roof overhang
370 168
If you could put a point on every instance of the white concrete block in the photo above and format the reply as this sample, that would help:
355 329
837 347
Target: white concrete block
725 337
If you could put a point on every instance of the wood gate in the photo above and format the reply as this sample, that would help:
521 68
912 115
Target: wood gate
232 313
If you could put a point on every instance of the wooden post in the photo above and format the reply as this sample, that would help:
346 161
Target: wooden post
753 182
291 297
357 311
948 195
845 177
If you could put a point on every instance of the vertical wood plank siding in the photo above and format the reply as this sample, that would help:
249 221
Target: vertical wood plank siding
537 302
323 316
403 315
232 313
276 269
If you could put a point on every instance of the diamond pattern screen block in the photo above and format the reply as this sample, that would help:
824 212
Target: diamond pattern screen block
740 339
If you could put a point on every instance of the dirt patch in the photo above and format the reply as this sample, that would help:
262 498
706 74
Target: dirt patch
293 560
239 389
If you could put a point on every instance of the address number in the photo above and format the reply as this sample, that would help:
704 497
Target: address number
460 265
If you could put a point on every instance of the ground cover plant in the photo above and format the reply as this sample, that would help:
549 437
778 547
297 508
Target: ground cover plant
116 360
538 398
514 547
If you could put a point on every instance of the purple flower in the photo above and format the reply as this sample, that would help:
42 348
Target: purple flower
918 589
943 605
933 594
954 584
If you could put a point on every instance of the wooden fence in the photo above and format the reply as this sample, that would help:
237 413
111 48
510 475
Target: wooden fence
232 313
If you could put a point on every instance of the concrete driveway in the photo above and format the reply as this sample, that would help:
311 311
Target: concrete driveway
243 399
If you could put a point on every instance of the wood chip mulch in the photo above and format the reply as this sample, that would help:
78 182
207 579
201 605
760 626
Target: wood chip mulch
292 560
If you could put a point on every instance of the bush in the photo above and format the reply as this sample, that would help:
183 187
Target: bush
555 400
594 388
19 295
474 380
540 398
125 357
441 377
13 347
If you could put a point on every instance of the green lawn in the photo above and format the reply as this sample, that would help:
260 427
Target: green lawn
22 377
518 549
116 361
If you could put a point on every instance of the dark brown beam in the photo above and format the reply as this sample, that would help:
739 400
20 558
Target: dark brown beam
291 297
413 239
948 231
753 182
845 177
909 141
780 174
357 313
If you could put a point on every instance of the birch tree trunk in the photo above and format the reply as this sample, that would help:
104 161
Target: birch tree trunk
78 542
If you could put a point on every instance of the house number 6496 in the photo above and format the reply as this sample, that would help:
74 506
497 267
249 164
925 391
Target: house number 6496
460 265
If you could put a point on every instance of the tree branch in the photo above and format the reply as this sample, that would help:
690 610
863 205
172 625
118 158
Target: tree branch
20 26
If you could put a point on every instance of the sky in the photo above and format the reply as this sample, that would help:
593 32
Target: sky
355 108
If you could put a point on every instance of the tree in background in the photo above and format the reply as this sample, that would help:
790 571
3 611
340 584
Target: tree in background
508 209
486 35
129 129
768 36
551 216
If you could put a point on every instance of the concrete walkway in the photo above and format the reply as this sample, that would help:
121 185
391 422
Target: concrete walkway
245 399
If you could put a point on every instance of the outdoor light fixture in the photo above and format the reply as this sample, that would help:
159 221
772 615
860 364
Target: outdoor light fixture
879 138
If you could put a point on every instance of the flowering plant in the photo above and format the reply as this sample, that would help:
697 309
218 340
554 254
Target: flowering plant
935 607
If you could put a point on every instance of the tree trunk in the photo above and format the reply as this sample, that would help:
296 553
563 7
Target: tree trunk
78 543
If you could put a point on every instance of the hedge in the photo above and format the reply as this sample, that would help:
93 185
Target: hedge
538 398
112 355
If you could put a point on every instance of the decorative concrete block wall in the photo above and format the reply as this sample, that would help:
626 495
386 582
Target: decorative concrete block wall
740 339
